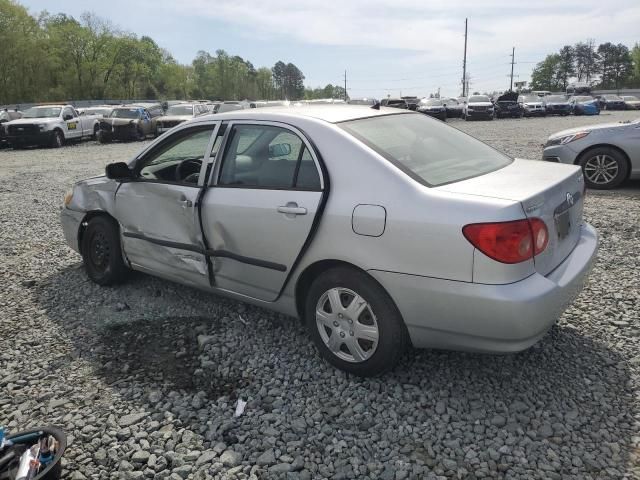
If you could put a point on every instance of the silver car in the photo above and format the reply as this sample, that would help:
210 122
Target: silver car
378 228
608 153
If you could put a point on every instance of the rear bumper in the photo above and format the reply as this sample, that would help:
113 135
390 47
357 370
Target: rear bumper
535 113
489 318
482 114
70 221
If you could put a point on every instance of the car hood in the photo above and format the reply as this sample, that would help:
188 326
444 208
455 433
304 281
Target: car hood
591 128
564 104
534 104
175 118
31 121
118 121
431 107
480 104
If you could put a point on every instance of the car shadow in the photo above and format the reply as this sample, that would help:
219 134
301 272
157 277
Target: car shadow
569 389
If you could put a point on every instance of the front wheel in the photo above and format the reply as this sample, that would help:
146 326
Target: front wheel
58 139
604 168
354 323
102 252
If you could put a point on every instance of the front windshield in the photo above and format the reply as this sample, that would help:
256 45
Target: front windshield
42 112
532 98
180 110
431 102
631 98
451 101
479 98
125 113
555 99
97 111
583 99
612 97
431 153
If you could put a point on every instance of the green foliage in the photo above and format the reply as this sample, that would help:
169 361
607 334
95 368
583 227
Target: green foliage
329 91
57 58
609 66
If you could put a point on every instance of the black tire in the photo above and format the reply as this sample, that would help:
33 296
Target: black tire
140 135
392 336
58 139
102 252
589 160
466 117
96 130
103 138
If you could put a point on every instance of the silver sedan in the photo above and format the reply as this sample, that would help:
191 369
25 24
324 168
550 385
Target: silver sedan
608 153
378 228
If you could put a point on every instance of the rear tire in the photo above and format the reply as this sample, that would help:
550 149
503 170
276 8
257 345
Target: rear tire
96 130
102 251
604 168
354 323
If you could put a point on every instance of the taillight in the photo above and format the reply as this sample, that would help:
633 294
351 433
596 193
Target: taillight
509 242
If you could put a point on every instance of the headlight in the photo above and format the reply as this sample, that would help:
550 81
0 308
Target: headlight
68 197
42 127
566 139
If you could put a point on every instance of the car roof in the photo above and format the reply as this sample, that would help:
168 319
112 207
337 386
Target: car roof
327 113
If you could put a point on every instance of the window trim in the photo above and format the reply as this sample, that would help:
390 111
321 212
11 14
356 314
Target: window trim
214 177
140 159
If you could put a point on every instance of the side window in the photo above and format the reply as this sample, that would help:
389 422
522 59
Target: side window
308 177
66 112
262 156
179 159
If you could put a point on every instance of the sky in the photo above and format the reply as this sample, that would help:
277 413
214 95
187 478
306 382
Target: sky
387 47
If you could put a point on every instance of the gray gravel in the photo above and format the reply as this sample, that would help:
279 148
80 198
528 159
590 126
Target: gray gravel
145 377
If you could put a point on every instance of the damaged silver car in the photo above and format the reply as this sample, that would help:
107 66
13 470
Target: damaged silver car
378 228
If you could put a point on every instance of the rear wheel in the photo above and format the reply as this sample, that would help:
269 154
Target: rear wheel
354 323
604 168
96 129
102 252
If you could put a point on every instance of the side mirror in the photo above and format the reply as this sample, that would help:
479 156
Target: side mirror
68 116
118 171
279 150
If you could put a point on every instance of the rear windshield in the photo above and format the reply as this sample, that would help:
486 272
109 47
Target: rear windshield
555 99
429 151
479 98
180 110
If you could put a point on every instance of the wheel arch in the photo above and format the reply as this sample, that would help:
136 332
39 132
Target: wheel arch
605 145
312 271
85 221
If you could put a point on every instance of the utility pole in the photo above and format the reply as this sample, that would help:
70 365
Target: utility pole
345 85
513 56
464 61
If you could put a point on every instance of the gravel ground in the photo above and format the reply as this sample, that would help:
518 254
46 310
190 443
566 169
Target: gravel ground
145 377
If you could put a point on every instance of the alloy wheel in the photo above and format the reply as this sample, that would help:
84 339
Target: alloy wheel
601 169
99 250
347 325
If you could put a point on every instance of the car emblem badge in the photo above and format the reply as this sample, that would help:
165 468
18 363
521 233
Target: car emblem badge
570 199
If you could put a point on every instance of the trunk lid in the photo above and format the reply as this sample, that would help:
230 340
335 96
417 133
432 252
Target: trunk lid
549 191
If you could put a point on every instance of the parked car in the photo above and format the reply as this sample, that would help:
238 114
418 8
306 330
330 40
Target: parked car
631 102
478 106
412 102
450 243
434 107
363 101
508 109
6 116
612 102
532 106
230 106
50 125
453 106
395 103
101 111
176 114
584 105
608 153
557 105
132 122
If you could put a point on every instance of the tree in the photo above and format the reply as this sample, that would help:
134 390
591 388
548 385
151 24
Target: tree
565 68
616 65
586 60
635 60
545 74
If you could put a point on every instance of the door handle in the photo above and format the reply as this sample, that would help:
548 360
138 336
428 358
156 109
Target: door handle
292 208
186 203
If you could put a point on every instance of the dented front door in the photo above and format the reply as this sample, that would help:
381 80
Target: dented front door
158 216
